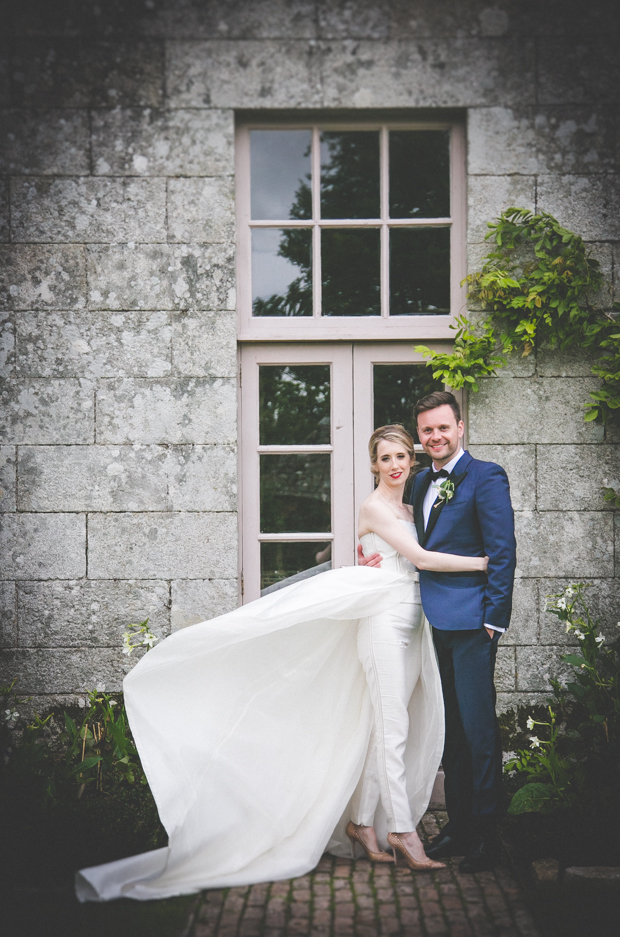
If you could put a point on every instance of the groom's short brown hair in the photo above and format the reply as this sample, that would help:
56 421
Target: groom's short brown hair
437 399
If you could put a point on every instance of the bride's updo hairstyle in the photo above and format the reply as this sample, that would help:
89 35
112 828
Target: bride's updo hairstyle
393 432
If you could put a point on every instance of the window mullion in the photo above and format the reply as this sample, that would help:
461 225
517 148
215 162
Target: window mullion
316 230
385 232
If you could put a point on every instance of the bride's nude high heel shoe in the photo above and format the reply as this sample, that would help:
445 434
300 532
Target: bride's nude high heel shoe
398 846
354 835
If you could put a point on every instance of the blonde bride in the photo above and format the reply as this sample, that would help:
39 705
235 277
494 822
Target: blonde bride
308 720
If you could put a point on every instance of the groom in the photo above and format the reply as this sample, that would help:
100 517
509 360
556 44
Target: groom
462 505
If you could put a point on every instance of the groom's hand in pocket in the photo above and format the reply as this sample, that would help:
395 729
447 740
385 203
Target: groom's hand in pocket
491 632
373 560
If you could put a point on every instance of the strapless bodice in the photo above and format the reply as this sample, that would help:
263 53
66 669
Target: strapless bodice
391 560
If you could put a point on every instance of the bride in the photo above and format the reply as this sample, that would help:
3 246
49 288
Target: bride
312 715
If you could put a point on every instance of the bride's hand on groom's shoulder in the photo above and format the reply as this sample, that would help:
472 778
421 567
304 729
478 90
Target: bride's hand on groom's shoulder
373 560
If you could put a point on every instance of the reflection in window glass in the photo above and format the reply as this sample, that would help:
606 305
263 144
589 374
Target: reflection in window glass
350 265
294 405
280 561
280 174
295 493
419 174
419 271
396 390
281 272
350 174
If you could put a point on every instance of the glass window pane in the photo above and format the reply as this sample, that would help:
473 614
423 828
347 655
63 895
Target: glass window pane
350 174
280 174
419 271
350 272
419 174
282 272
396 389
294 405
295 493
281 561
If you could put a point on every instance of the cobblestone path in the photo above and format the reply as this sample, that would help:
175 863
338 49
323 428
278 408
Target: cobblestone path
361 899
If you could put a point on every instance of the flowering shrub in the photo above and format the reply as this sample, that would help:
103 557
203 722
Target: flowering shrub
575 755
75 783
95 751
142 637
55 760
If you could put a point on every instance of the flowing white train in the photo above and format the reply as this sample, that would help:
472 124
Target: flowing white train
254 730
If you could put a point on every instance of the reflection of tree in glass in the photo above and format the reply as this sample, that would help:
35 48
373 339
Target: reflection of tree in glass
419 173
397 388
349 189
350 174
419 271
295 493
294 405
281 560
296 247
350 272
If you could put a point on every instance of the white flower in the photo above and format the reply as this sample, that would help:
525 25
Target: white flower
143 636
580 635
113 702
530 723
534 742
599 640
561 603
569 591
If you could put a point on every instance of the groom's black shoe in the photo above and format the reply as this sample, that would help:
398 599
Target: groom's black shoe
447 844
484 852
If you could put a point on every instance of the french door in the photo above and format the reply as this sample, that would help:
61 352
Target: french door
307 412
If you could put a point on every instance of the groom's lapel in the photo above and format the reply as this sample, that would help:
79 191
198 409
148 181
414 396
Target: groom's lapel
418 502
438 506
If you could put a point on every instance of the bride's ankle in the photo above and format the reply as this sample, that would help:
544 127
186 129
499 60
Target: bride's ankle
412 841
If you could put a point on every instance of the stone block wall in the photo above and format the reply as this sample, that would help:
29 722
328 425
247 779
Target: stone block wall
117 284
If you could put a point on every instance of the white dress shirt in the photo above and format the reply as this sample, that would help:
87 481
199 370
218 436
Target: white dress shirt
431 496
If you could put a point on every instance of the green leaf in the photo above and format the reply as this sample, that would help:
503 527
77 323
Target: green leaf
85 765
573 659
533 798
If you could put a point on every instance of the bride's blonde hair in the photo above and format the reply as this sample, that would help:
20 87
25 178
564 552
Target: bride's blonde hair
393 432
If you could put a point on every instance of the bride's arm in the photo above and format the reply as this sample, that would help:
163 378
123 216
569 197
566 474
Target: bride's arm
378 518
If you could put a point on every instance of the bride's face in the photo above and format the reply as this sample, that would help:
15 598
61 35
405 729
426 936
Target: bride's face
393 464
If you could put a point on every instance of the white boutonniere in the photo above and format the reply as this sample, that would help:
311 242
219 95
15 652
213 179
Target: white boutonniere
445 492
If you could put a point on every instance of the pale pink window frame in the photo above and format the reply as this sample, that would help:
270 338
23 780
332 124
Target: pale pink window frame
317 328
342 534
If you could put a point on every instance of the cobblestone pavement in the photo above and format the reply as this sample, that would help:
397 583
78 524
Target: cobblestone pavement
362 899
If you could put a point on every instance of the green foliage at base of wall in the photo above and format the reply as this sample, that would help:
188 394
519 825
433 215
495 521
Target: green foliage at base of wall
538 286
76 787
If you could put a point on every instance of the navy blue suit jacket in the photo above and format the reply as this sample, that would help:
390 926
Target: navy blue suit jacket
477 521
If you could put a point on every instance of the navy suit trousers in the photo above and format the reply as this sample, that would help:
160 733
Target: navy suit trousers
472 759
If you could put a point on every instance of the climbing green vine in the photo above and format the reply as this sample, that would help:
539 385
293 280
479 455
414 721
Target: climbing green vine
537 286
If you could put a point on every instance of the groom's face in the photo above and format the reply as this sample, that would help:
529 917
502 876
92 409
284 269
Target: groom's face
440 434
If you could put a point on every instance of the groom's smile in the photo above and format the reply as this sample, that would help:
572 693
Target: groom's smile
440 434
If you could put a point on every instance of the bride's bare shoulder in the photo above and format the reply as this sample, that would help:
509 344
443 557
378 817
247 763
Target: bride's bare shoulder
373 509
